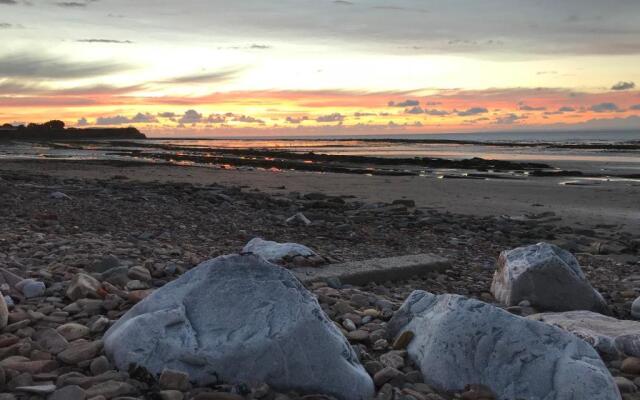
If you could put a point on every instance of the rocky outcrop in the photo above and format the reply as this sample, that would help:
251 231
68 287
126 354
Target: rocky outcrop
459 341
286 254
239 319
611 337
546 276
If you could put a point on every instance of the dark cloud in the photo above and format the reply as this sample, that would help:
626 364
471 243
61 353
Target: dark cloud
190 117
296 120
335 117
141 118
472 111
414 110
216 119
26 65
342 3
10 2
509 119
605 107
167 115
635 107
623 86
104 41
247 119
209 77
113 120
525 107
82 122
566 109
5 25
71 4
436 113
406 103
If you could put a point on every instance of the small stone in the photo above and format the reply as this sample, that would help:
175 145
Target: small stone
83 285
385 375
358 335
79 351
392 359
349 325
631 365
39 389
51 340
140 273
31 288
105 264
99 365
73 331
403 340
4 312
110 389
176 380
71 392
625 385
171 395
99 325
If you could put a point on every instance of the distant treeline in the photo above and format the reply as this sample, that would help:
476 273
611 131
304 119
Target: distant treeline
55 130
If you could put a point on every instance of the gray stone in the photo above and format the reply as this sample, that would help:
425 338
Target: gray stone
460 341
72 331
31 288
83 285
71 392
99 365
175 380
79 351
242 320
118 276
37 389
611 337
277 253
51 340
548 277
375 270
105 264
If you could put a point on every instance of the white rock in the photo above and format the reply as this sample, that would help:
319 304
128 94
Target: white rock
242 320
277 252
611 337
548 277
59 196
298 218
460 341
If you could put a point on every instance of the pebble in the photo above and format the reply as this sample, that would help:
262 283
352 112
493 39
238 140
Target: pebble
631 365
79 351
72 331
175 380
403 340
71 392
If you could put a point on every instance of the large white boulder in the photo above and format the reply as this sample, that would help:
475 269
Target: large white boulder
239 319
611 337
292 254
548 277
460 341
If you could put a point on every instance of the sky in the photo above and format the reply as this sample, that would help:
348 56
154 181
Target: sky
264 67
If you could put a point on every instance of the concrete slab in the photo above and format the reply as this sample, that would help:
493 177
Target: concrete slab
375 270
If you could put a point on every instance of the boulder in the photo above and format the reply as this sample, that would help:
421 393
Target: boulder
459 341
283 253
239 319
611 337
548 277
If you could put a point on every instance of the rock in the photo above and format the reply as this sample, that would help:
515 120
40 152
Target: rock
50 340
139 273
242 320
110 389
460 341
79 351
23 364
548 277
385 375
625 385
4 313
39 389
59 196
83 285
99 365
118 276
631 365
403 340
105 264
72 331
170 395
635 308
280 253
31 288
299 219
609 336
176 380
71 392
393 359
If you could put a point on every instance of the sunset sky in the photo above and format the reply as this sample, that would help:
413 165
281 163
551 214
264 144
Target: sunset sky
196 67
